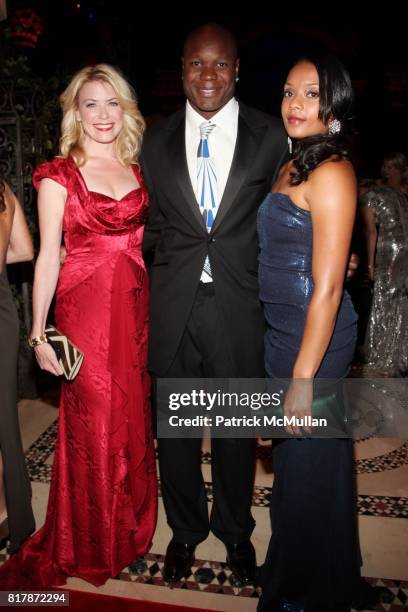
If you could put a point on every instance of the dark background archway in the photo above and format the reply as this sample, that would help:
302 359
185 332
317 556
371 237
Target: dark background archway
146 43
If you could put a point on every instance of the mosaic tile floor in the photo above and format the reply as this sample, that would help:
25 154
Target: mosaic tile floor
382 478
369 505
213 577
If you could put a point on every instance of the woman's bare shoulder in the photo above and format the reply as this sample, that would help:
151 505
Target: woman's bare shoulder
333 174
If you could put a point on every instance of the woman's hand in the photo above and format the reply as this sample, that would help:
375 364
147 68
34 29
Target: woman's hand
370 273
298 404
47 359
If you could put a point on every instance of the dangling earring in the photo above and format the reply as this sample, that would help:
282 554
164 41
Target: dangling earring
236 78
334 126
290 145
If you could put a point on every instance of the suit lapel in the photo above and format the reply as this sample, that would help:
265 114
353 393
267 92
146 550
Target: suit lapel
178 163
249 139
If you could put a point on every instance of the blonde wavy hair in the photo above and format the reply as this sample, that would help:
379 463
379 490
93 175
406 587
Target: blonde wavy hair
129 140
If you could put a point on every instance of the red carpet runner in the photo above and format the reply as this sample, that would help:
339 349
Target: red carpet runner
81 601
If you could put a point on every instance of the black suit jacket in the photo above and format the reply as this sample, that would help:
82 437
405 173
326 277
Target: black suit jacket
176 241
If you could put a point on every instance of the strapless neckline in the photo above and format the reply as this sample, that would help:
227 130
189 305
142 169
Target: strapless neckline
289 199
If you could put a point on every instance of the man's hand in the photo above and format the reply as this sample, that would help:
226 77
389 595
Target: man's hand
63 254
353 264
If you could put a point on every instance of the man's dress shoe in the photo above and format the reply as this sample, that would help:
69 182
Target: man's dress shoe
241 560
178 561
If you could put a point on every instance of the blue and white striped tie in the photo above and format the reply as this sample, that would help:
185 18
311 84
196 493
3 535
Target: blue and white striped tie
207 191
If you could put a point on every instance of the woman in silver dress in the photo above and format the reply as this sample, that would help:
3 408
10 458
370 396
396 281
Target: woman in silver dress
385 211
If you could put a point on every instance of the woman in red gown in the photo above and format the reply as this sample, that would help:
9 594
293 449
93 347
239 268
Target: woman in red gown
103 497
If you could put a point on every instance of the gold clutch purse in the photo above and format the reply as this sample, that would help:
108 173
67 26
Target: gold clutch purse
69 356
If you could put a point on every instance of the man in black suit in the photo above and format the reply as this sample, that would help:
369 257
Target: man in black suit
208 322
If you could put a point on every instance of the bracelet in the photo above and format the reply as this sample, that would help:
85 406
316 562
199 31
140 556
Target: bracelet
37 340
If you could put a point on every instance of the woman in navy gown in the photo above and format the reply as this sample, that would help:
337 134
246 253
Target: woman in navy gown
305 226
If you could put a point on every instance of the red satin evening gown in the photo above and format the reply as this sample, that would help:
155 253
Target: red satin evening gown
103 497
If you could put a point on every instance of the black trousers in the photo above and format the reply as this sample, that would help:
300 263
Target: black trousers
18 489
203 352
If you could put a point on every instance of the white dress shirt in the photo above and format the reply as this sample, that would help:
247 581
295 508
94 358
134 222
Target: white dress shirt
221 143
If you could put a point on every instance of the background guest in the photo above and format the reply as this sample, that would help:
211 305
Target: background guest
385 211
16 517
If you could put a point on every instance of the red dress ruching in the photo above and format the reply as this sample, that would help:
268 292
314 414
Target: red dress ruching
103 497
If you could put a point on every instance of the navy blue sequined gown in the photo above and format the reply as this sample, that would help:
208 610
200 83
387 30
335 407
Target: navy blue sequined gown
313 556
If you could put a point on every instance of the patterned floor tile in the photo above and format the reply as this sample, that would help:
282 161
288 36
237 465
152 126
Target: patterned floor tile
215 577
383 463
38 453
368 505
382 505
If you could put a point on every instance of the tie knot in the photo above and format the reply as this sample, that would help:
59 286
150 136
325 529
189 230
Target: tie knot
206 128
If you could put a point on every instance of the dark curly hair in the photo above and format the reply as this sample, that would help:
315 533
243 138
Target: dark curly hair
335 102
2 200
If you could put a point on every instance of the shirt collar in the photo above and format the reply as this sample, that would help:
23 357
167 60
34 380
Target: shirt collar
223 118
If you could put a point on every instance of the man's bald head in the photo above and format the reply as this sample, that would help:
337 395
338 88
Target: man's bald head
211 32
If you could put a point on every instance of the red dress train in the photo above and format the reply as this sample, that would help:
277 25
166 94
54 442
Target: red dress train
103 497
